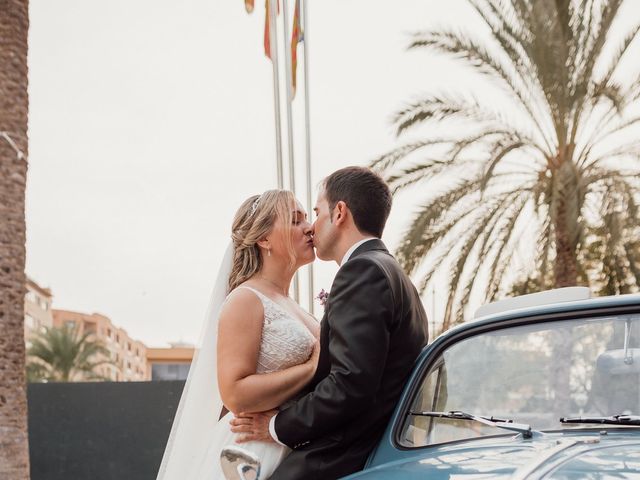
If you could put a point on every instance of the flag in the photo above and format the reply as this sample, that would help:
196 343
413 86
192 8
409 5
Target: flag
297 36
249 6
267 24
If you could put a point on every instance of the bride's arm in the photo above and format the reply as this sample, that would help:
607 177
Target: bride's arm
239 337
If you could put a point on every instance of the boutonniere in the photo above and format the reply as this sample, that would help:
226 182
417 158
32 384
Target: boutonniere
322 297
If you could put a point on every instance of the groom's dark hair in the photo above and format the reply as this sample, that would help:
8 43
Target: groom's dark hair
366 194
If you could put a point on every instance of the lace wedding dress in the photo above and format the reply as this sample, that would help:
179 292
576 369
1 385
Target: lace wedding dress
286 342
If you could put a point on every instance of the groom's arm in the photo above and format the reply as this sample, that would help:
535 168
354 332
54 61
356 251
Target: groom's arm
361 308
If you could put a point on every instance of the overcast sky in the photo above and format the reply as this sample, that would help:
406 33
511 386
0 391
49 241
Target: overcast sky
152 120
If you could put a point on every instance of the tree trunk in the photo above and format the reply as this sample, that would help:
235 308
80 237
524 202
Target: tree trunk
14 447
565 274
565 268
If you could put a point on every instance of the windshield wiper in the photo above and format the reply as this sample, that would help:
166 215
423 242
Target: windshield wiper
506 424
612 420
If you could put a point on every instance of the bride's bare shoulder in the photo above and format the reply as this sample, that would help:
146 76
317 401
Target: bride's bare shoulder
242 305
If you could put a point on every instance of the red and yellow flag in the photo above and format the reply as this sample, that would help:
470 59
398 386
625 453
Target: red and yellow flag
267 27
297 36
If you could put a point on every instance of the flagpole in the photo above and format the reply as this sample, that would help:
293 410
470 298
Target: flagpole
273 44
307 124
287 56
289 86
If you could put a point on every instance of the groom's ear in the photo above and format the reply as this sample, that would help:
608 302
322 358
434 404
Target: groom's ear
340 214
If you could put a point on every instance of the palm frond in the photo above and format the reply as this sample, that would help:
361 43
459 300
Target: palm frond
616 59
471 51
501 263
403 178
445 107
599 33
468 242
439 238
413 245
617 129
389 159
493 238
496 156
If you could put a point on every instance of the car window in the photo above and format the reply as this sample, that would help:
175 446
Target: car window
532 374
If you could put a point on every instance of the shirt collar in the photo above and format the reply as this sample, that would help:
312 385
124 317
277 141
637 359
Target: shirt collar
353 249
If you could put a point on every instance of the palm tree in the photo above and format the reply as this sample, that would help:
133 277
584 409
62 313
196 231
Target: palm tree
554 172
62 355
14 447
609 270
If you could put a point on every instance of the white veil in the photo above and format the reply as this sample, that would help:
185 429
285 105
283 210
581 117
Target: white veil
200 405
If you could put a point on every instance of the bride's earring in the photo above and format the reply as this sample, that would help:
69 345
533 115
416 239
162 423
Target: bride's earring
268 252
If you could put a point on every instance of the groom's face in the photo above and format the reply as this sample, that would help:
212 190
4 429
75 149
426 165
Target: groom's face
324 231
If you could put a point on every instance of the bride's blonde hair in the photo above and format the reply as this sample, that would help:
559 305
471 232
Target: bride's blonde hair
253 221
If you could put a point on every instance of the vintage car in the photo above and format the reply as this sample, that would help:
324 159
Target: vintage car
538 386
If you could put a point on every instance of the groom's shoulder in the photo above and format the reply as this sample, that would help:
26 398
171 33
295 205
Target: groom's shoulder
388 266
382 258
373 262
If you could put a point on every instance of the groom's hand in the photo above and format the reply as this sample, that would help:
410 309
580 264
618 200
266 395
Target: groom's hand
253 426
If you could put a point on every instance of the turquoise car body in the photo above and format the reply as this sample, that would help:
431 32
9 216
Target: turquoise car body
588 452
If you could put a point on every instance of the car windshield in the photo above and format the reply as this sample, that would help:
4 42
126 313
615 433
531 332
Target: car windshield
532 374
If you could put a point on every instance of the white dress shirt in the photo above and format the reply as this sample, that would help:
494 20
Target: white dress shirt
347 256
353 248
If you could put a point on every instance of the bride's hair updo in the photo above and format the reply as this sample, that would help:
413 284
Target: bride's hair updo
253 221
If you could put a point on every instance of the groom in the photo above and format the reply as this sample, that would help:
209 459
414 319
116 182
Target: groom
373 329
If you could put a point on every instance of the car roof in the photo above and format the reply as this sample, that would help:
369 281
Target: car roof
551 308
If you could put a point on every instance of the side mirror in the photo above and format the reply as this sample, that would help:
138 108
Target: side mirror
239 464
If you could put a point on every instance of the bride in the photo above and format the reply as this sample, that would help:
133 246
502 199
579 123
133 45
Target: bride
259 348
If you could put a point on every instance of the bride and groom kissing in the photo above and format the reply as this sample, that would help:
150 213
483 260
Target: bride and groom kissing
310 400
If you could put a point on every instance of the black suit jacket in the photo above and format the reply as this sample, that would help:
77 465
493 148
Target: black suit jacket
373 329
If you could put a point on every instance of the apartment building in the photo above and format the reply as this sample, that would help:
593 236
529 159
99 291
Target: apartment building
37 309
132 360
128 355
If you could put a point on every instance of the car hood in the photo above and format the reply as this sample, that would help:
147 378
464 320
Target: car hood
554 455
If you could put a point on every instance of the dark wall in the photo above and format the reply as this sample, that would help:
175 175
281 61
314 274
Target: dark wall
101 430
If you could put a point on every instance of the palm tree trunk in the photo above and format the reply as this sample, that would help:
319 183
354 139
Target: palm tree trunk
14 447
565 268
566 275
